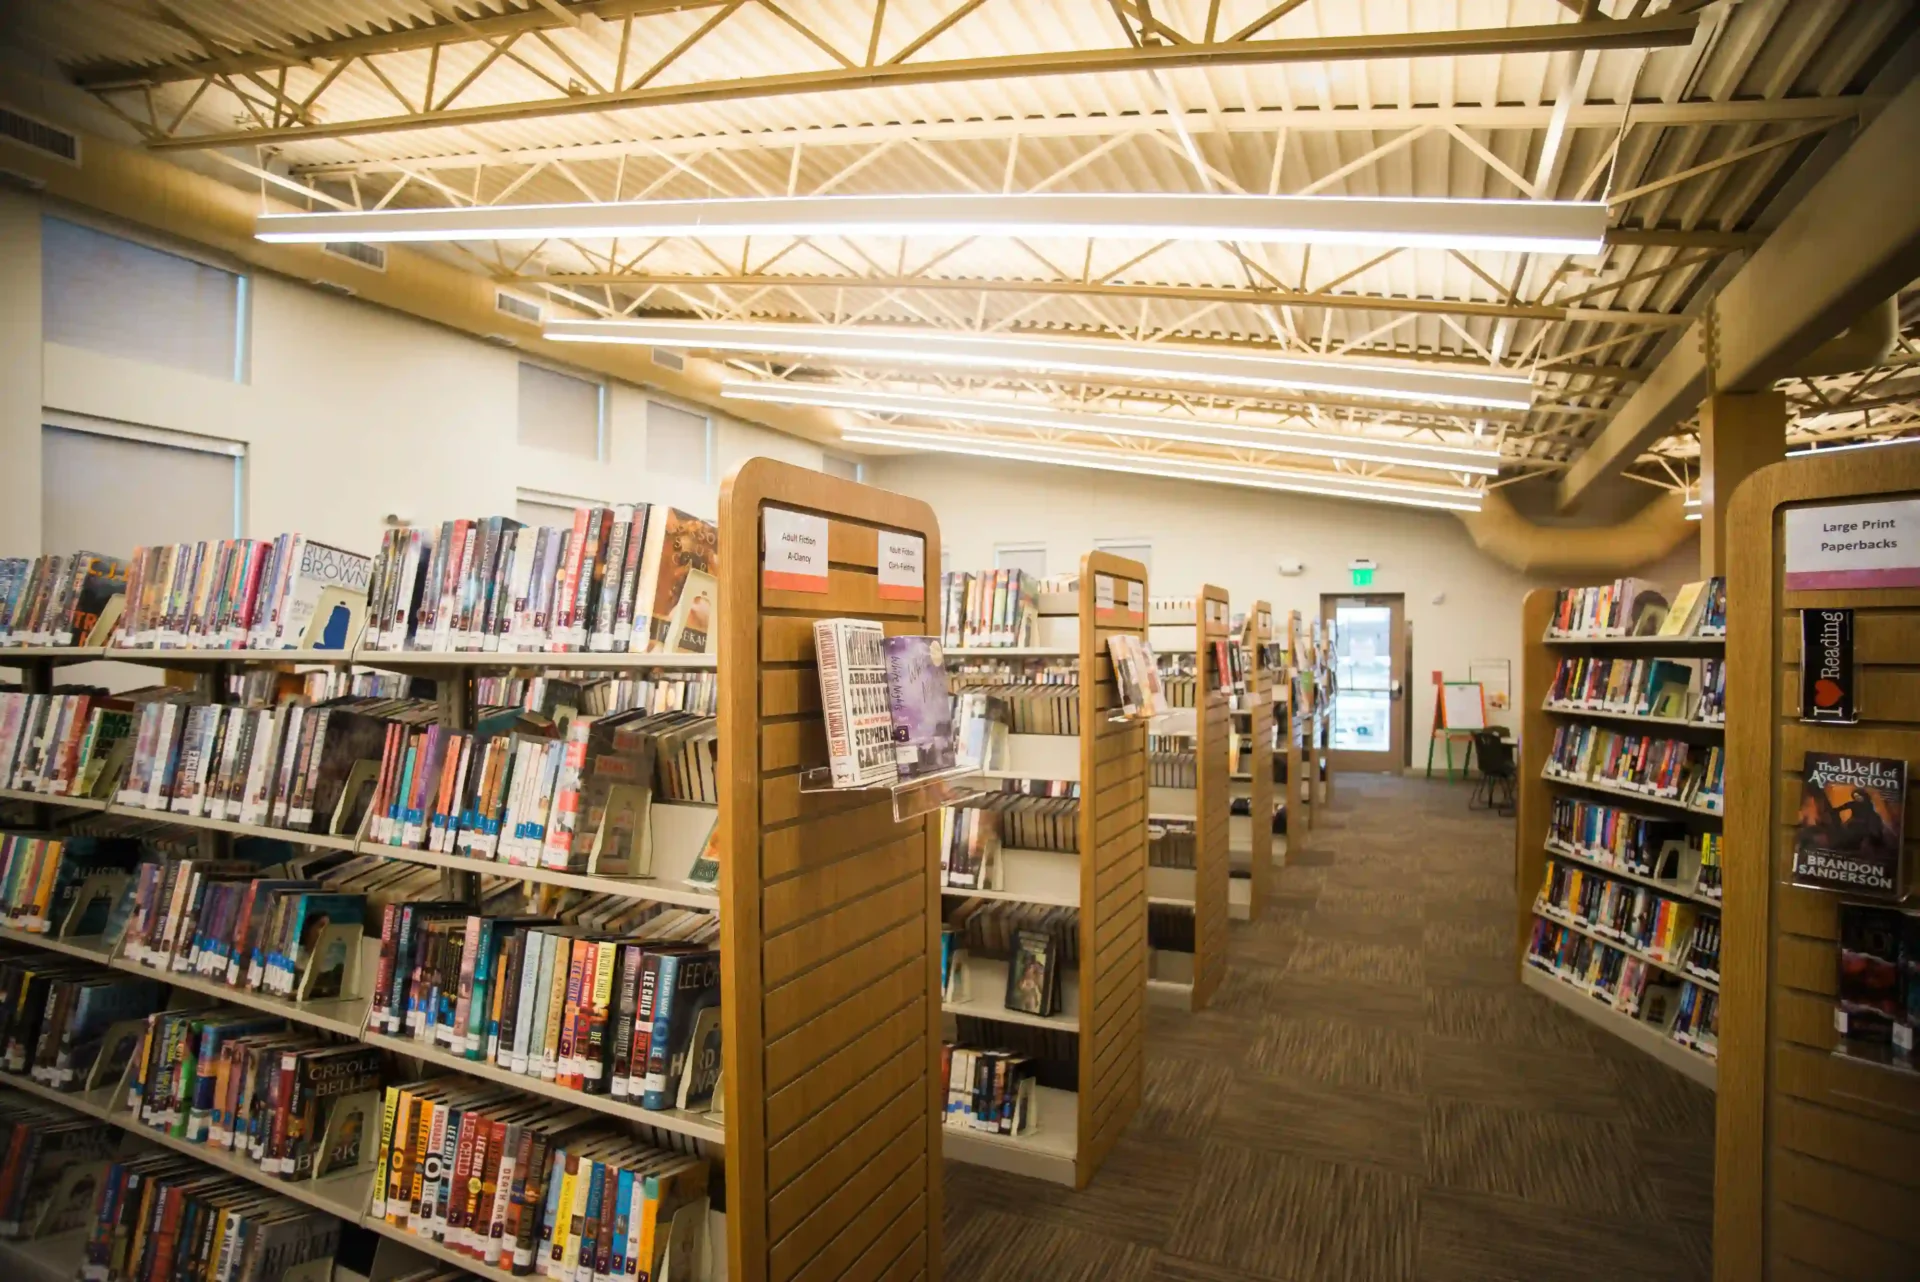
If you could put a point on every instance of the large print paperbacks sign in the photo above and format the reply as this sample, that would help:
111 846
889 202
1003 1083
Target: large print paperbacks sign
1853 545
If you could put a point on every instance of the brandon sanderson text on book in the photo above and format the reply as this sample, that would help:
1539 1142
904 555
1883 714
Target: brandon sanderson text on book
1852 813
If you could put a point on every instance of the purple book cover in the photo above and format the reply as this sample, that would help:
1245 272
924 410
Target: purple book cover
922 707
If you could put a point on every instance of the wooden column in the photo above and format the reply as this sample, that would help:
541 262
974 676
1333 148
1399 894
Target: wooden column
1740 433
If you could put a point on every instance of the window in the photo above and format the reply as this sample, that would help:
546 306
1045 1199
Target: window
115 296
679 443
561 413
1028 558
109 488
1133 549
837 465
538 507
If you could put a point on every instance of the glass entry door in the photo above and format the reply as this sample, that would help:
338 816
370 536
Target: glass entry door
1370 659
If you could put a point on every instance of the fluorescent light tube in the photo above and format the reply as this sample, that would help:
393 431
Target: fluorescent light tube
1278 440
1856 445
1693 516
1330 484
1691 503
1212 367
1518 226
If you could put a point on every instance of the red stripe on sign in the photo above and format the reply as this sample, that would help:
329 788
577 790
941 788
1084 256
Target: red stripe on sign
786 581
1827 580
902 592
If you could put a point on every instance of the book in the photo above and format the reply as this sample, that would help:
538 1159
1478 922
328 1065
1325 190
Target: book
1033 980
855 702
920 704
1851 825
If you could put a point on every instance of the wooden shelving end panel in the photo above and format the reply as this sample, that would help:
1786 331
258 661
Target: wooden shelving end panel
1212 801
1814 1151
1113 868
1259 762
830 917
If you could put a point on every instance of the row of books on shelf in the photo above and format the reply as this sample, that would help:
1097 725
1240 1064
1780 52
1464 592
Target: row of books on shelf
534 1186
520 789
1877 1008
624 1005
630 578
588 996
1039 943
1644 845
1668 930
980 609
1677 1008
1172 843
1172 761
1688 774
51 1161
1634 607
1050 708
156 1215
972 842
1678 689
989 1091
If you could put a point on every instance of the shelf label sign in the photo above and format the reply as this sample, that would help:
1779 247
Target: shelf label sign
1136 597
902 557
1103 597
1854 545
795 558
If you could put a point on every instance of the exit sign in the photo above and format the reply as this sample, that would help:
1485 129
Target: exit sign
1362 578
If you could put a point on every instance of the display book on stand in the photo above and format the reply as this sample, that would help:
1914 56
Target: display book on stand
1254 848
1189 804
1622 790
573 809
1040 895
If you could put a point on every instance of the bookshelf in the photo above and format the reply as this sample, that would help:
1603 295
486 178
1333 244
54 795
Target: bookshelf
1813 1149
1105 880
1177 977
1251 846
828 911
1540 787
1303 718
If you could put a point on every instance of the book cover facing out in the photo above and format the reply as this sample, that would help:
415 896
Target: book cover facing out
1852 814
1869 981
1826 666
922 706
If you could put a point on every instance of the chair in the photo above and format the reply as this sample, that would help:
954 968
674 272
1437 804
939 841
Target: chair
1494 789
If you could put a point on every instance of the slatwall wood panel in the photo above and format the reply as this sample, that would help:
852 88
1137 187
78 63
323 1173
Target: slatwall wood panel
1815 1176
1259 763
831 924
1212 800
1113 876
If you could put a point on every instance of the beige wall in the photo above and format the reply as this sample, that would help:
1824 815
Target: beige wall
349 412
1236 538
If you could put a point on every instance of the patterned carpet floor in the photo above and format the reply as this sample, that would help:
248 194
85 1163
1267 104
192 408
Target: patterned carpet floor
1374 1098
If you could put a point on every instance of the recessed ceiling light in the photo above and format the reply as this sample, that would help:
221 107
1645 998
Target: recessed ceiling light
1278 440
1166 362
1519 226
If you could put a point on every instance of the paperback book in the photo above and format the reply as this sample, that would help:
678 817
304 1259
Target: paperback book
1852 823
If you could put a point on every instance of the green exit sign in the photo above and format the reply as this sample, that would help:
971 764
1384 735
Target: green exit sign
1362 578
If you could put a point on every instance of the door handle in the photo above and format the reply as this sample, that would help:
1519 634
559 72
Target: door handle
1395 689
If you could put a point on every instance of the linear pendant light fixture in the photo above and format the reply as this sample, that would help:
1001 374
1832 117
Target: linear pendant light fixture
1217 368
1384 222
1277 440
1330 485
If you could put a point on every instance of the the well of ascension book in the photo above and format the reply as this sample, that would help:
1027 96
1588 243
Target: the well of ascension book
1852 819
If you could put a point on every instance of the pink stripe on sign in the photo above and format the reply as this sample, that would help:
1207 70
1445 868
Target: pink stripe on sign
1828 580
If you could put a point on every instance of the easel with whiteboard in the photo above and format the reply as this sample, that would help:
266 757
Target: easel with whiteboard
1459 710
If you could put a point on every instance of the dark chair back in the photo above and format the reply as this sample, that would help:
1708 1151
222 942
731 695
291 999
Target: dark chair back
1495 753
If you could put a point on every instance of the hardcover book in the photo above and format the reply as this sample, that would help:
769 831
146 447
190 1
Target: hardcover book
922 708
1868 1002
1032 978
1852 819
853 697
